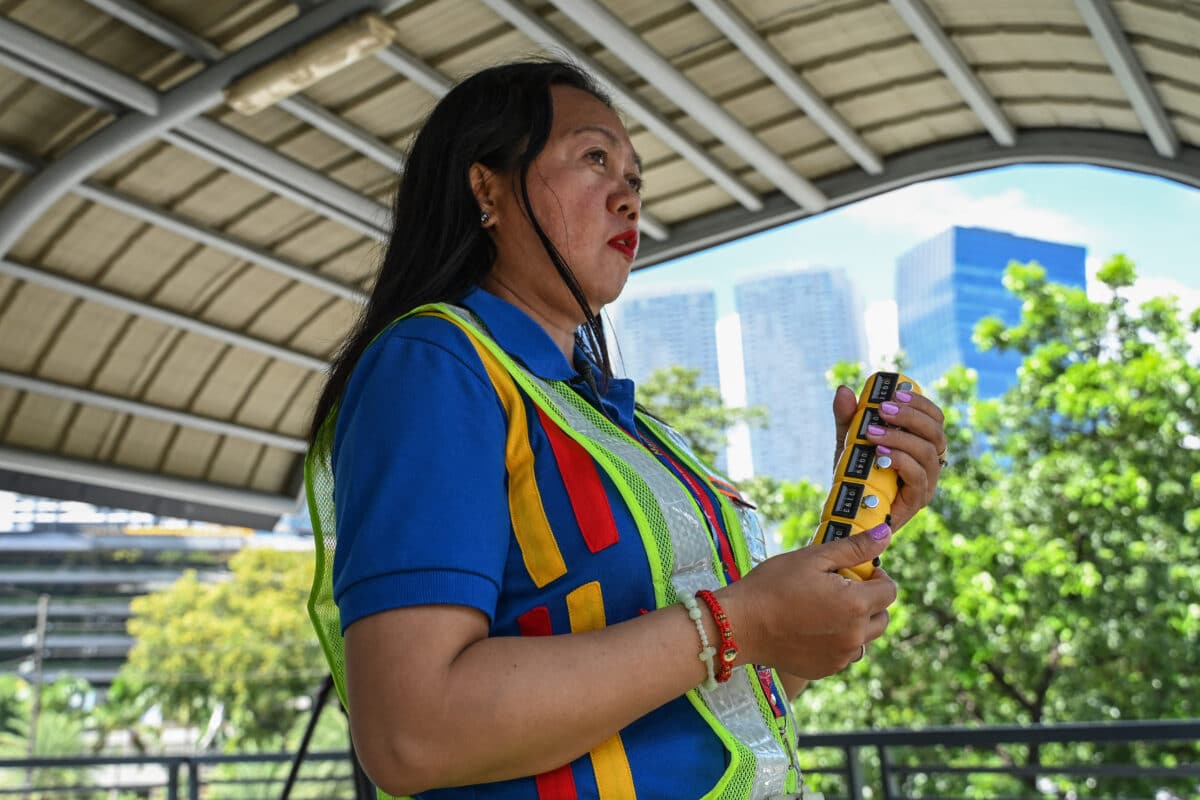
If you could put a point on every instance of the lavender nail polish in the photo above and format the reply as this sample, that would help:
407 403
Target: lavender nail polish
878 430
890 408
883 450
903 397
880 532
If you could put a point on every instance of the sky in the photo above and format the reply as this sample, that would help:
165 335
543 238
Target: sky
1154 221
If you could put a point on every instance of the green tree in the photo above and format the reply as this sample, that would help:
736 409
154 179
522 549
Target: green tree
1056 577
61 731
674 395
245 642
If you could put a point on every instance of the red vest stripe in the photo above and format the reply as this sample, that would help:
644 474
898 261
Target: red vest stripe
584 488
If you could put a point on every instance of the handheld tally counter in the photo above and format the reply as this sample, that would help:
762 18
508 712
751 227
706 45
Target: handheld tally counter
864 483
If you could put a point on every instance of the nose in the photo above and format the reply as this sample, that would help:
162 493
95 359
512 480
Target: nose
625 202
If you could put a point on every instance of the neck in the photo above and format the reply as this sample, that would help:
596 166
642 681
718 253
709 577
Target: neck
561 330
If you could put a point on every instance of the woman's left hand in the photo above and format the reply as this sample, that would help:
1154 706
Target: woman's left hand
915 435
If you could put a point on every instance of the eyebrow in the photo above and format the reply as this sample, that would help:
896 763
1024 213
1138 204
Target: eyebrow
612 138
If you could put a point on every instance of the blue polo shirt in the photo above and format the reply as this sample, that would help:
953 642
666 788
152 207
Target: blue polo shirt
422 518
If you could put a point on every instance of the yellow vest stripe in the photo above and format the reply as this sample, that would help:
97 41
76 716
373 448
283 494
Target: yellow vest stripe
614 780
539 548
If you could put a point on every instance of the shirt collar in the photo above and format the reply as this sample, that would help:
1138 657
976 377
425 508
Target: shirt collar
519 336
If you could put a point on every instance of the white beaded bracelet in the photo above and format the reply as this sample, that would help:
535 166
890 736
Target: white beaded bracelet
707 651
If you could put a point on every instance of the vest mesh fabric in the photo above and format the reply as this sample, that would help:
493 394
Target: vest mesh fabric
748 777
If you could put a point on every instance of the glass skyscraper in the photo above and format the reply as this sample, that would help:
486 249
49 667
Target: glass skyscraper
667 328
795 326
946 284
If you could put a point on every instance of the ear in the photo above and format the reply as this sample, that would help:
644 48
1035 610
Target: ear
483 186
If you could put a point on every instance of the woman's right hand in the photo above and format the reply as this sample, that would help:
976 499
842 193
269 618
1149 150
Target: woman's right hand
795 612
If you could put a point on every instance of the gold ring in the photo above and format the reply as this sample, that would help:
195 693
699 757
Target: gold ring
941 457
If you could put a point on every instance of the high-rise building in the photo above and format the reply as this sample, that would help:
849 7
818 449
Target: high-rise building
946 284
660 328
797 324
665 328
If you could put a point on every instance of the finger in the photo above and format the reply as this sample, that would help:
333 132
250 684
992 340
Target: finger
922 404
913 420
853 550
877 625
844 406
921 449
875 595
918 476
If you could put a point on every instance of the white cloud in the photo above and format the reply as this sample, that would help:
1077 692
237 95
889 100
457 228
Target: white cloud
925 209
1142 290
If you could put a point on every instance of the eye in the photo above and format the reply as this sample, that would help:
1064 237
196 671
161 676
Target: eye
636 183
599 157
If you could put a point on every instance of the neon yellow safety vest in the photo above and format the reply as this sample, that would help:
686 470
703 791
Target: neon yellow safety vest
681 553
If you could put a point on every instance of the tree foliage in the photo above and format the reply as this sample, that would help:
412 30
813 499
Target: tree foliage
1056 576
674 394
246 642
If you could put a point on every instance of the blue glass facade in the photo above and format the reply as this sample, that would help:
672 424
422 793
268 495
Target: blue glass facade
946 284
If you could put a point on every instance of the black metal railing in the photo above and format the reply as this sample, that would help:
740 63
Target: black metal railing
1096 760
1161 758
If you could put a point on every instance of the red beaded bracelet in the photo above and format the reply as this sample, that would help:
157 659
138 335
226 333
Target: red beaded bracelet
728 649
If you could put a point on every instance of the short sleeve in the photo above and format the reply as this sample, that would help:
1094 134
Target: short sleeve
419 479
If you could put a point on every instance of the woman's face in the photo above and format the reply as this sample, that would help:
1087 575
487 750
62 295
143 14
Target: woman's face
584 190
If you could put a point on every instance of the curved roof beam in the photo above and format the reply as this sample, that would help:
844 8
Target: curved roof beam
643 59
127 204
101 78
1110 38
194 96
969 154
671 135
222 145
94 294
282 175
61 85
171 416
175 36
203 492
929 33
416 70
738 30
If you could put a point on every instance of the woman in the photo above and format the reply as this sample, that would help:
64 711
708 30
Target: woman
542 593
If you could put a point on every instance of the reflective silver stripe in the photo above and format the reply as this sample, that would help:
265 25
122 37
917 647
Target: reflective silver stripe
735 702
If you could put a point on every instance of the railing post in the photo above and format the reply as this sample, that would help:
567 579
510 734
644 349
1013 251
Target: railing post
193 780
891 788
173 780
854 776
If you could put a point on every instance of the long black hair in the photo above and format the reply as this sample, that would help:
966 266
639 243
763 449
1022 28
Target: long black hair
501 118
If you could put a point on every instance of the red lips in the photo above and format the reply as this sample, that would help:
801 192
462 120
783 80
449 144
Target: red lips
626 242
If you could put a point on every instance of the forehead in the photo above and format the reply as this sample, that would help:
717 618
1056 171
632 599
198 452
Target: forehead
575 109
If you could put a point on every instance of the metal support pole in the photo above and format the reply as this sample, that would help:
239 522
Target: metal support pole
363 789
39 652
891 786
193 780
173 781
854 773
314 715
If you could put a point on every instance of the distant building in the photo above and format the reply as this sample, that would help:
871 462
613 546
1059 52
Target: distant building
658 329
795 326
946 284
668 328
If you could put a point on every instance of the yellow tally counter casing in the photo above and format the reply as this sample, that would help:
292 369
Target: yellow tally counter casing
865 483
